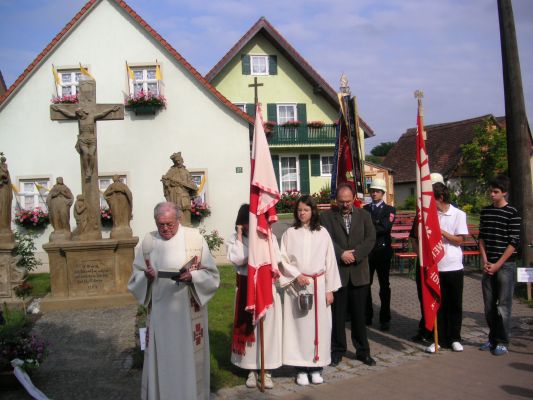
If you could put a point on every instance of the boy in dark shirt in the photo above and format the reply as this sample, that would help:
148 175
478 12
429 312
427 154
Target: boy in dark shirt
499 238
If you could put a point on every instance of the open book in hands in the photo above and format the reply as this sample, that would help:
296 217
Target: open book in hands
174 274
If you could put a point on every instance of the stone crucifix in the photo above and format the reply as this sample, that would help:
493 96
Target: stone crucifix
87 112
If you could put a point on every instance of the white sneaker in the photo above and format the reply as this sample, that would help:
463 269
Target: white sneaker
251 382
316 378
268 381
456 346
431 348
302 379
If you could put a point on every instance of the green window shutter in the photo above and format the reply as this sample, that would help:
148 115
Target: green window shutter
246 70
275 163
272 65
315 165
250 109
272 114
304 173
302 117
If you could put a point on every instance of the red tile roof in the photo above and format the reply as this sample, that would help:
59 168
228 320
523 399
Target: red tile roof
443 145
144 25
3 87
263 26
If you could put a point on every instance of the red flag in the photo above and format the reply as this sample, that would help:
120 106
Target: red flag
346 152
430 247
264 194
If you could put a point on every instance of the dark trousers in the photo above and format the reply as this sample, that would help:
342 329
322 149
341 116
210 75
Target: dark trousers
356 297
498 298
422 324
379 261
450 314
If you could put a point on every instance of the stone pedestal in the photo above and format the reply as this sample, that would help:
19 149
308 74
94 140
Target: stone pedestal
89 274
10 274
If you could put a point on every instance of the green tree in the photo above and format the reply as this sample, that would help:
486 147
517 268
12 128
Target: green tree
486 156
382 149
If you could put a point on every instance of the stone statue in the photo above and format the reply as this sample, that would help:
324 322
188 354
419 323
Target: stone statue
120 201
179 187
81 217
87 115
59 201
6 201
87 112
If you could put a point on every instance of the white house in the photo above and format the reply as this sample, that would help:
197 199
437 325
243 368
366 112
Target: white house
211 133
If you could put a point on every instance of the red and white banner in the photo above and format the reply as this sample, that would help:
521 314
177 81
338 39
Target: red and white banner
264 194
430 246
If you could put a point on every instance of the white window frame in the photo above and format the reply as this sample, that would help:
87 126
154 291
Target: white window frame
144 78
34 193
257 57
197 175
242 106
321 164
293 105
73 86
103 186
281 171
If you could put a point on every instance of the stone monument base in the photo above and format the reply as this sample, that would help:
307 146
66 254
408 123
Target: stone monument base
10 274
89 274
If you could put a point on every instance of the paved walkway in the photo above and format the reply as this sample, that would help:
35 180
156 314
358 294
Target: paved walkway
91 358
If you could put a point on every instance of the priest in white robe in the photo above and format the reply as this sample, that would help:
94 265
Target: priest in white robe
308 260
176 358
245 349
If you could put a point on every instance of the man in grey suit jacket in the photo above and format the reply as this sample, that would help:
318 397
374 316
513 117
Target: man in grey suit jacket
353 235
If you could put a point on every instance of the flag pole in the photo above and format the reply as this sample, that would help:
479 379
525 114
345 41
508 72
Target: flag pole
436 335
255 85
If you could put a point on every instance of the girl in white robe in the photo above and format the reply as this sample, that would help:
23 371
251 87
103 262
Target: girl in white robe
247 354
309 262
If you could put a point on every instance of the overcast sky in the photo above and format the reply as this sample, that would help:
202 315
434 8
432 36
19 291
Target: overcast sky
388 48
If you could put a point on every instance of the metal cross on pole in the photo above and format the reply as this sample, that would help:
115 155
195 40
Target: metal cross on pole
255 85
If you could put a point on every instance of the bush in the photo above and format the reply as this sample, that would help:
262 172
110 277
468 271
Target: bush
213 239
26 249
409 203
324 196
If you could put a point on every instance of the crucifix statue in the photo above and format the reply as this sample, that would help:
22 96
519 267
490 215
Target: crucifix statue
87 112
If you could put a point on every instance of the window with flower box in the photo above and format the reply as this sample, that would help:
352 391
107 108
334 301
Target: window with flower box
144 79
69 81
33 192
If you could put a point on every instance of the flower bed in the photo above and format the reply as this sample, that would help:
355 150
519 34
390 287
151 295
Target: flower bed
105 217
145 100
199 211
66 99
32 219
292 124
288 201
17 341
316 124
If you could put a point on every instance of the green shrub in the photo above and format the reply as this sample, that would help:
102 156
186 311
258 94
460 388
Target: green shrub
26 249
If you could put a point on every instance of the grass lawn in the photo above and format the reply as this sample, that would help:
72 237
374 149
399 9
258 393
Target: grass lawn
220 310
40 283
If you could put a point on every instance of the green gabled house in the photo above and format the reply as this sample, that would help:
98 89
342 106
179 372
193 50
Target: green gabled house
300 106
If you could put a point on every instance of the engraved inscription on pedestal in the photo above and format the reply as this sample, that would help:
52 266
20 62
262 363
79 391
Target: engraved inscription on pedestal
88 277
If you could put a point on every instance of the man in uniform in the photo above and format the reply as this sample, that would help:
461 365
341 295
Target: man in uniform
379 259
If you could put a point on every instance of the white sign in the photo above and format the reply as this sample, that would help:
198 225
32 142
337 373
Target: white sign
142 338
524 274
